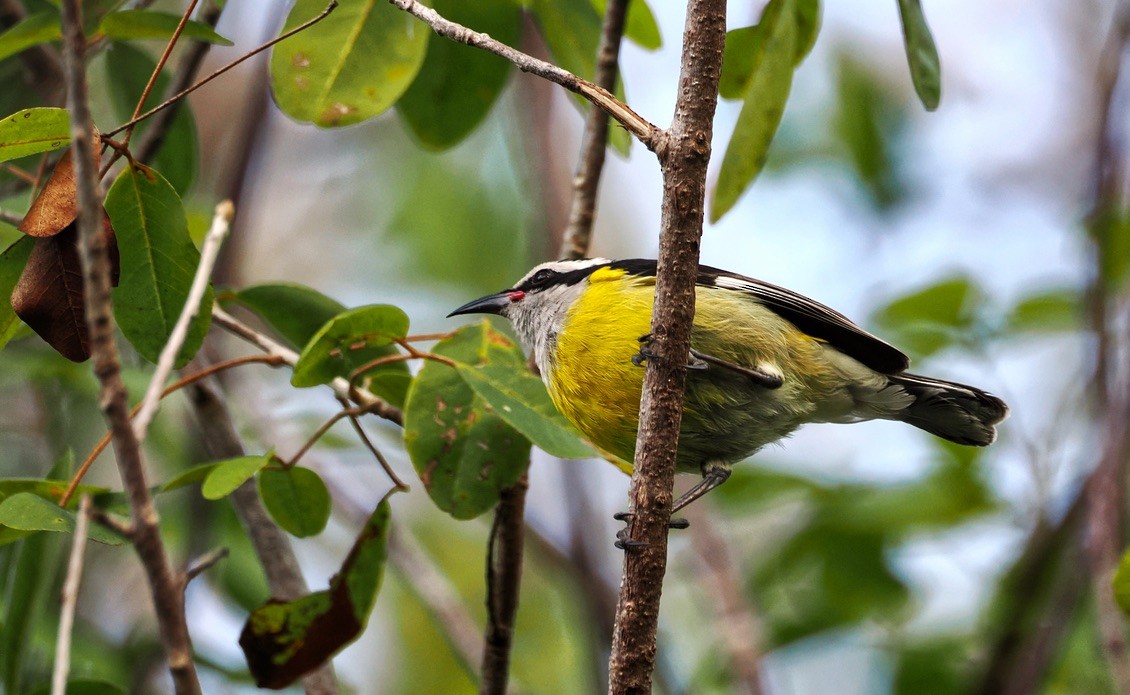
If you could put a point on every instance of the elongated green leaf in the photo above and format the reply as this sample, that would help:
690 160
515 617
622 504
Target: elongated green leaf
222 480
23 604
766 93
346 343
196 474
27 511
128 70
349 67
283 640
520 399
1121 583
745 46
32 131
50 489
921 54
464 453
295 312
33 30
158 262
639 26
148 24
12 263
457 84
297 499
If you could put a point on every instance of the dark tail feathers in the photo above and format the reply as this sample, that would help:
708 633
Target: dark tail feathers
952 411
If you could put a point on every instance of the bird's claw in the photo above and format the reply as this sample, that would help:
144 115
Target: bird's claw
624 542
646 353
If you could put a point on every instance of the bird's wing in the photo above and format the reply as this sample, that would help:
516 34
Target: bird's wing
806 314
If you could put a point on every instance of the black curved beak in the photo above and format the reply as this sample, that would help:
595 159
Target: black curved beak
490 304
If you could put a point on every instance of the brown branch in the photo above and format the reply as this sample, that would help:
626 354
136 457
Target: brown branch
185 92
203 564
586 182
272 546
647 133
504 578
683 155
320 432
164 585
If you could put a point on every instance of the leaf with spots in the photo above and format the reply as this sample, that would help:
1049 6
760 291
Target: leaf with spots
282 640
463 451
766 91
32 131
349 67
158 263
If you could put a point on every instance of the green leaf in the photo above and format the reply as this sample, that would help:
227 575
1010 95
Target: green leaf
937 667
193 475
32 131
229 474
457 84
283 640
23 606
337 348
463 451
932 318
745 46
49 489
1121 583
33 30
349 67
297 499
295 312
866 117
83 686
520 398
921 54
571 29
27 511
128 70
639 26
158 262
1047 312
147 24
765 95
12 263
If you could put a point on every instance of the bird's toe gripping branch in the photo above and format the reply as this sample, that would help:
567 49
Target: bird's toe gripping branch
625 542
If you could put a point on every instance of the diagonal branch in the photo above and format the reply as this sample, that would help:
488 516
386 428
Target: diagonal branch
164 585
647 133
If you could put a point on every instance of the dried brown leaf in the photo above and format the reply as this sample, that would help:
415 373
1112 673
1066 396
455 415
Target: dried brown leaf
56 206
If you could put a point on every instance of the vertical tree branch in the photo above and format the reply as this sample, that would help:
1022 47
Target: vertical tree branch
594 142
683 154
1106 489
70 600
504 579
165 586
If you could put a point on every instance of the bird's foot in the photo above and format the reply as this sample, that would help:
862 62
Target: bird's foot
646 353
624 542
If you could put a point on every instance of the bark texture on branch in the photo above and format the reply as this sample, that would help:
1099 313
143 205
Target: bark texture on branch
683 154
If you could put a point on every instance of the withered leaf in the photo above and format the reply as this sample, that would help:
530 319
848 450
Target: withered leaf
49 295
56 206
283 640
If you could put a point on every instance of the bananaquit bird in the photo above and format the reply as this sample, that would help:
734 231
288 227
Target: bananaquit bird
764 361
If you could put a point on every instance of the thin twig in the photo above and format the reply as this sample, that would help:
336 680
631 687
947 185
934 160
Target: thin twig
221 224
164 586
321 431
185 92
272 360
646 132
684 156
185 74
203 563
70 600
160 66
370 402
356 422
586 182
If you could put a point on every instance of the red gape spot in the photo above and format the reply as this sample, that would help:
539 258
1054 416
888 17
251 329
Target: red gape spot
516 295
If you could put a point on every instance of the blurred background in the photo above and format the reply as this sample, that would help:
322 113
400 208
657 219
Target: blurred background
863 559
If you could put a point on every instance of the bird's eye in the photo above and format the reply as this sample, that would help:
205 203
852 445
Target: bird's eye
542 277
